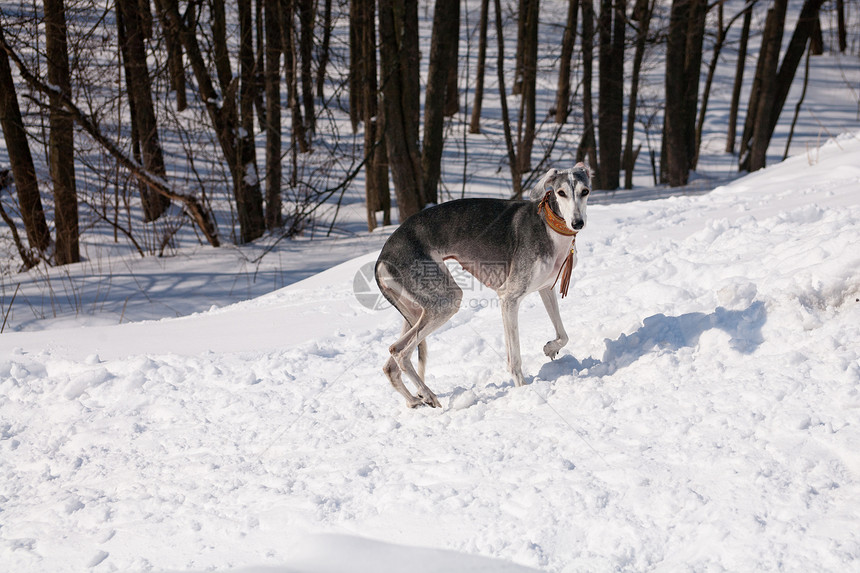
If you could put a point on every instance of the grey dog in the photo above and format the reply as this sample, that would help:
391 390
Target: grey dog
513 247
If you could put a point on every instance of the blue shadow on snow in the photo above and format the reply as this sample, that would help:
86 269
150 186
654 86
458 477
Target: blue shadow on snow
667 332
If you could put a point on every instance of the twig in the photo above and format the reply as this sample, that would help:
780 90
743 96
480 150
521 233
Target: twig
9 309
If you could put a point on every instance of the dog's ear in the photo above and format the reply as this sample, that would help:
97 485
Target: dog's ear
584 166
543 185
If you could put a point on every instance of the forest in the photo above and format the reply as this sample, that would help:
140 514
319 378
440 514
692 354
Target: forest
241 120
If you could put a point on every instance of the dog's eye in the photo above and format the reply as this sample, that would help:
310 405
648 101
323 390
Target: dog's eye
561 193
585 192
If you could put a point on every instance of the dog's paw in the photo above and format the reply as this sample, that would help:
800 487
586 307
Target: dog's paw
431 400
551 348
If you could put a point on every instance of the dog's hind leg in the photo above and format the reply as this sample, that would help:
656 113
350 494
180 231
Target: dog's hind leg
550 301
393 372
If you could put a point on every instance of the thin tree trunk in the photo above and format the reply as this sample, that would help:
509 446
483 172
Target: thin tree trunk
23 170
475 124
587 149
712 68
324 48
562 97
299 133
799 103
306 47
642 13
443 57
260 62
61 139
272 76
452 96
739 77
143 112
175 67
516 175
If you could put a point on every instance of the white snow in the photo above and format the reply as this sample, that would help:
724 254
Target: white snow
705 414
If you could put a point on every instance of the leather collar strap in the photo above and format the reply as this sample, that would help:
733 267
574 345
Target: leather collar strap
559 225
555 222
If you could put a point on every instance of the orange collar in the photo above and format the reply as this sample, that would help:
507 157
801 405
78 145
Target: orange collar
555 222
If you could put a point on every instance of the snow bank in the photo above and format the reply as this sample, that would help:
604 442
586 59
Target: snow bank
705 414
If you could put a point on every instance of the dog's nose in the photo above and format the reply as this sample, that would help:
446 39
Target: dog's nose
578 225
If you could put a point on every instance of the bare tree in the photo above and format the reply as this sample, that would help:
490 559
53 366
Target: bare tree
683 62
739 76
610 105
562 97
475 124
443 55
528 107
21 159
131 22
587 149
273 113
306 47
61 143
398 51
642 12
763 96
237 148
513 163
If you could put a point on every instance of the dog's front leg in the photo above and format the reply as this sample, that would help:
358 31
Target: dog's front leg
550 301
510 320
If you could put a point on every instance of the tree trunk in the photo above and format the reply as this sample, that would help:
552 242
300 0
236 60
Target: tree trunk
175 67
443 55
642 13
299 133
528 107
712 68
324 49
764 98
610 106
223 114
562 97
398 51
587 149
143 112
272 76
61 140
23 170
452 96
841 31
306 48
219 41
683 63
739 77
516 175
791 60
475 124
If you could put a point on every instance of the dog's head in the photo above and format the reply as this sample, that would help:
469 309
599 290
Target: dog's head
568 193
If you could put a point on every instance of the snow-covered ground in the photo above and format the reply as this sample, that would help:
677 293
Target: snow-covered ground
705 414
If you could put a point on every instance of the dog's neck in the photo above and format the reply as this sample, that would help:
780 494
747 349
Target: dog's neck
552 219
